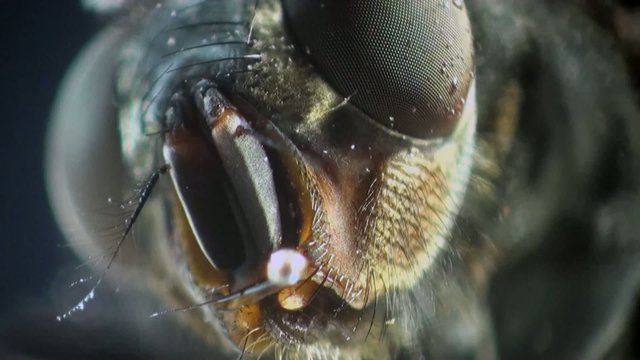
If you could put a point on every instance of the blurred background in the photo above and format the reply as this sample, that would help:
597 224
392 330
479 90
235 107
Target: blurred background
39 40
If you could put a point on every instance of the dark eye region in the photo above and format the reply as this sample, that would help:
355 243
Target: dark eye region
406 64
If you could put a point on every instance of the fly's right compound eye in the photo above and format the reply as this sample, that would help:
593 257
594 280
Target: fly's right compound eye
406 64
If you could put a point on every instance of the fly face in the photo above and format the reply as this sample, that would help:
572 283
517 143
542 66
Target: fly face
318 154
309 188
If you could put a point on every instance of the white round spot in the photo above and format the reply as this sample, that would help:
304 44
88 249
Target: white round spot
286 267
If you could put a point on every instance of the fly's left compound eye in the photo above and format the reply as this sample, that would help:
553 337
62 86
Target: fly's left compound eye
406 64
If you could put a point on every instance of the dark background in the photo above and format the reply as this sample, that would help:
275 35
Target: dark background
38 41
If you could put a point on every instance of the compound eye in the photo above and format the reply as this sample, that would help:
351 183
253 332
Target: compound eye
406 64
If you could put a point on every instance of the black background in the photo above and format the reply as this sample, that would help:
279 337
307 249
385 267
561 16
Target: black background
38 41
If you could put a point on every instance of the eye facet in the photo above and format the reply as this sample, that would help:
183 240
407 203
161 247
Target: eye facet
406 64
